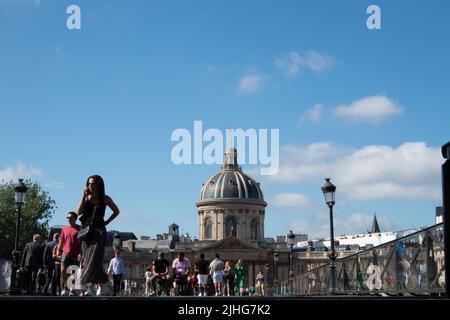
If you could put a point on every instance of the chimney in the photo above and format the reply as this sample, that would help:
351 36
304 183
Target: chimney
131 246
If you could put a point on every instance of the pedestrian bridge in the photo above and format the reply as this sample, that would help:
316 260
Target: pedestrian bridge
409 266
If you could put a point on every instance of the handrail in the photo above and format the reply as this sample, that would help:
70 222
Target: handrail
380 245
386 268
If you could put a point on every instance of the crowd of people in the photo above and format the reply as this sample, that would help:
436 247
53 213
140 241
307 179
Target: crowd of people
57 269
72 262
202 278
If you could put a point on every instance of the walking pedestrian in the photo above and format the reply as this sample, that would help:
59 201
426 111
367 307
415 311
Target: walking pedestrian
239 272
227 279
92 209
49 263
260 283
115 270
69 249
32 261
216 268
201 266
56 281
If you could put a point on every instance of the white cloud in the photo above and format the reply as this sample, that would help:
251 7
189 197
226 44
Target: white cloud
313 114
293 201
20 171
291 62
316 61
411 171
369 109
251 83
54 185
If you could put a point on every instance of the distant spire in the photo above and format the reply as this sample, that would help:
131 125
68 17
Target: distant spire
375 226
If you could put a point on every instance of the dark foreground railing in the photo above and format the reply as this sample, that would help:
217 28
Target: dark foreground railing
411 265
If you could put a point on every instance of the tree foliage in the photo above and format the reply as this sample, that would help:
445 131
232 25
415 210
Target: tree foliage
35 215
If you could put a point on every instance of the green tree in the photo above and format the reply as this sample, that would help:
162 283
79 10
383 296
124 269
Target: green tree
35 215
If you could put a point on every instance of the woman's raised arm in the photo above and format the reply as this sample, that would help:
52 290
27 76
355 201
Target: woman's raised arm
110 203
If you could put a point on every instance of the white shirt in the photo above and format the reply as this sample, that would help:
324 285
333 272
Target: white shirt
116 266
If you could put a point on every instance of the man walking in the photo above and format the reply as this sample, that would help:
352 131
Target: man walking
115 270
32 259
216 267
202 268
49 264
68 248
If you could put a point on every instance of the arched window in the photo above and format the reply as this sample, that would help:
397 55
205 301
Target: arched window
231 226
254 229
208 228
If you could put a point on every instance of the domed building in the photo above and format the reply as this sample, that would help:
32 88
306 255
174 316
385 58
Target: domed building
231 204
231 211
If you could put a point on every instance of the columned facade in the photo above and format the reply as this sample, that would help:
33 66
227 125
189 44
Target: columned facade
245 221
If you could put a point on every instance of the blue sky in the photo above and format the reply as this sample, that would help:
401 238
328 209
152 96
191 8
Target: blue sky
364 107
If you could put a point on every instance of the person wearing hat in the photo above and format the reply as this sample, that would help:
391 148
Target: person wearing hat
68 248
49 264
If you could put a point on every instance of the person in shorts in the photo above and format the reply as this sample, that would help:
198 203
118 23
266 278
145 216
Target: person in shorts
216 268
68 248
202 266
260 283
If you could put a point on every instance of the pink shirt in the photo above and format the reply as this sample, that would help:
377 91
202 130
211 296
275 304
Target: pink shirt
69 240
180 267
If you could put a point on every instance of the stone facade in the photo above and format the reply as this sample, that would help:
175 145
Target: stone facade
247 221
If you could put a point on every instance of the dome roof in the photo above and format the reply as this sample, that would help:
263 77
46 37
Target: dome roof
231 183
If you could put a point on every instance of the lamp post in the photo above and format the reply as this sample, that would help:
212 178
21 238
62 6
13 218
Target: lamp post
291 240
329 190
19 198
446 203
275 260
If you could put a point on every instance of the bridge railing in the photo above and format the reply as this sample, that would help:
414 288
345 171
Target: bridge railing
411 265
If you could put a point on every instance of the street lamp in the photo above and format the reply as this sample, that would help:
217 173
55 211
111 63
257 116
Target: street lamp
291 240
275 260
19 198
276 256
329 190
